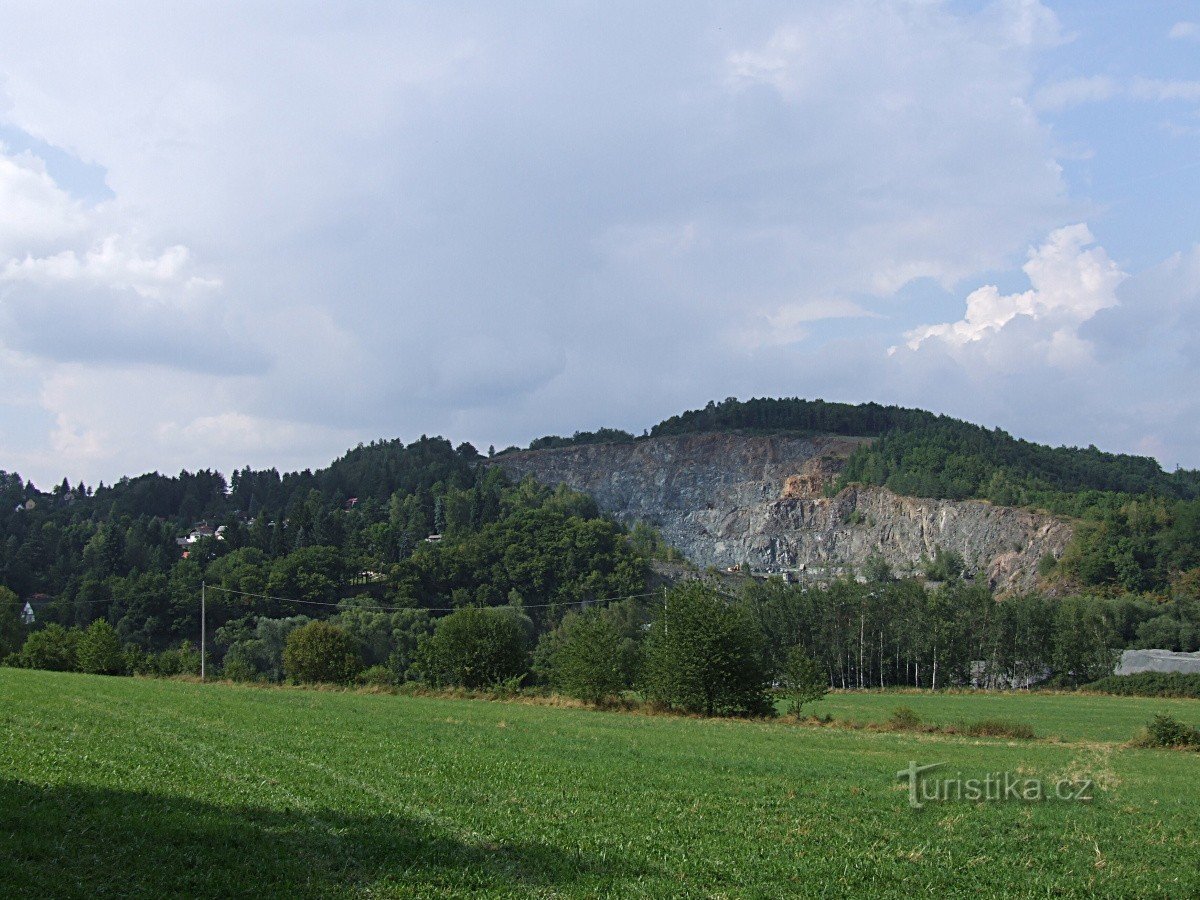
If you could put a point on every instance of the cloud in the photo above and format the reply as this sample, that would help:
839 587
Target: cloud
1185 31
496 222
791 322
36 213
1061 95
113 305
1074 91
1071 281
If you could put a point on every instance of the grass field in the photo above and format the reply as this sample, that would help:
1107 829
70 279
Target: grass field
129 787
1072 717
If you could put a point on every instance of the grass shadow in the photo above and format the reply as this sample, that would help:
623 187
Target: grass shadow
82 841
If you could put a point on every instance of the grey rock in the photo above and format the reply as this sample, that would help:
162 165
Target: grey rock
729 499
1135 661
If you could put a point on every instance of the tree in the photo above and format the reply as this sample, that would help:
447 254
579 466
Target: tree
319 651
257 643
476 647
99 650
52 648
586 663
706 655
1082 641
313 574
12 628
802 680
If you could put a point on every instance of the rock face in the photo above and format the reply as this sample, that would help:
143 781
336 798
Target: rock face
1135 661
729 499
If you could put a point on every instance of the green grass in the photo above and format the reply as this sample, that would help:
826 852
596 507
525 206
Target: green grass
139 788
1071 717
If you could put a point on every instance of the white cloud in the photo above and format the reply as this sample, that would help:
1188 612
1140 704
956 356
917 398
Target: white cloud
1061 95
112 263
790 323
1159 90
1073 91
1070 282
1188 31
34 212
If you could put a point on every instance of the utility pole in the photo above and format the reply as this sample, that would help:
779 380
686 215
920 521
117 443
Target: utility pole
203 624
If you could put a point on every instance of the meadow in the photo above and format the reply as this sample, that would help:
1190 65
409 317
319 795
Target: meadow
148 788
1065 716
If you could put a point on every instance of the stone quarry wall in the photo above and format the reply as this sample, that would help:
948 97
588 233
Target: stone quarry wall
726 499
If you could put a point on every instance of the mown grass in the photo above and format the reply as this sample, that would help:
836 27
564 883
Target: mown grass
1067 716
130 787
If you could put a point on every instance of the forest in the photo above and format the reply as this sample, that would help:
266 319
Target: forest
393 539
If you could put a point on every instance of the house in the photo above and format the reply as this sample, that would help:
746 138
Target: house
433 539
27 616
199 532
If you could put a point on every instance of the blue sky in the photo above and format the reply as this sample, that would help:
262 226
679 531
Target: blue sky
261 233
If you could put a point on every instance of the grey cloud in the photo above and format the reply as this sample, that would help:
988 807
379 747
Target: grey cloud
116 326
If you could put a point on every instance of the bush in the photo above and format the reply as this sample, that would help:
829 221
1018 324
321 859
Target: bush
802 681
238 669
1000 728
1166 731
319 651
903 718
476 648
53 648
181 660
586 663
1150 684
377 676
705 655
99 650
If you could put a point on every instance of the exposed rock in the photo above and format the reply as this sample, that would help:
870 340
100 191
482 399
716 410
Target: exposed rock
1134 661
727 499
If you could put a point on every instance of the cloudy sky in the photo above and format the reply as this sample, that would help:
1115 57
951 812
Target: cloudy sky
262 233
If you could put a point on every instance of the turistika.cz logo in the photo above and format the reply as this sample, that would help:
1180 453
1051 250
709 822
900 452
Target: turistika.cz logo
994 787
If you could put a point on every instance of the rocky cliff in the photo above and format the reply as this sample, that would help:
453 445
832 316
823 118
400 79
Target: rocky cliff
728 499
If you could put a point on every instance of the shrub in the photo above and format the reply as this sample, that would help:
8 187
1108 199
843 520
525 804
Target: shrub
53 648
238 669
1000 728
903 718
377 676
1150 684
476 648
1166 731
99 650
181 660
586 662
802 681
319 651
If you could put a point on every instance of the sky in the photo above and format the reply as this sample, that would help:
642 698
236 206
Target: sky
261 233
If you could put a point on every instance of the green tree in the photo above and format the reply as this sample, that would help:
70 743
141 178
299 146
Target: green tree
801 680
12 628
52 647
99 650
477 648
319 651
586 662
706 655
1083 638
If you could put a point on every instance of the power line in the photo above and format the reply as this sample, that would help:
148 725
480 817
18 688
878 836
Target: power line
213 587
